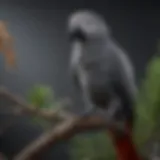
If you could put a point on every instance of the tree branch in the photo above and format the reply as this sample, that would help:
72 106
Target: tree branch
69 126
24 108
64 131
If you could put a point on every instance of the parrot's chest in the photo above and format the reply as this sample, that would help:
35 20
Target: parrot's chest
97 81
100 92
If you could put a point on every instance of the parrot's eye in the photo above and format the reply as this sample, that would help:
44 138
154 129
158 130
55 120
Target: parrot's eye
77 35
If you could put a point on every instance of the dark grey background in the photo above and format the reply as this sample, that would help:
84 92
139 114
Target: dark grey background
42 50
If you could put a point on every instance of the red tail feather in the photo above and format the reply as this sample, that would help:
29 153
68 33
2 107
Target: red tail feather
124 146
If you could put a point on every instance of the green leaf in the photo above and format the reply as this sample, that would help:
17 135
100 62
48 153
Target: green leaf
42 97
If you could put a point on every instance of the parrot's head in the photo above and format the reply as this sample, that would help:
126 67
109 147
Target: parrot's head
87 25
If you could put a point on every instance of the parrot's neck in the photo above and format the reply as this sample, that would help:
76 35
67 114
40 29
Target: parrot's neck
94 51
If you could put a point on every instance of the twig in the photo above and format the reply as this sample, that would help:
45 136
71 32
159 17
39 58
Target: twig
24 108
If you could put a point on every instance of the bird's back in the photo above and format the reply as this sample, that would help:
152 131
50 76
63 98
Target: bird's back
108 74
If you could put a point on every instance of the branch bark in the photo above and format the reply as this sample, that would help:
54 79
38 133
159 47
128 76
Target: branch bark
64 131
69 125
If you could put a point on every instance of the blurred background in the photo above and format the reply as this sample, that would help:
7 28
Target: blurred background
42 52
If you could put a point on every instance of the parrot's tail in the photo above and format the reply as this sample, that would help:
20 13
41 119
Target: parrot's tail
124 146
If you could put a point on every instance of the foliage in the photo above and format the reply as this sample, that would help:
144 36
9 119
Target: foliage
148 103
96 146
42 97
7 46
